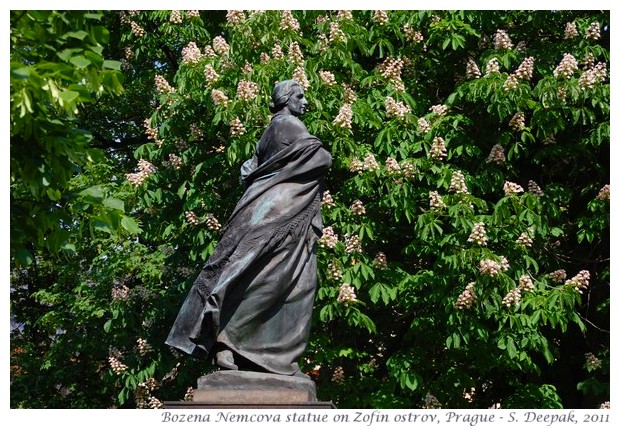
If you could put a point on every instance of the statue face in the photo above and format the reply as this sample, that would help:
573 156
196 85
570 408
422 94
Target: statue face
297 103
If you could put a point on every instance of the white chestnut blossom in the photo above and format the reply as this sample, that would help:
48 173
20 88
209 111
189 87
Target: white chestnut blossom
502 40
467 298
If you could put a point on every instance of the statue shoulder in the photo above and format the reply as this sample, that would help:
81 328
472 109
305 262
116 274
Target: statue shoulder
291 125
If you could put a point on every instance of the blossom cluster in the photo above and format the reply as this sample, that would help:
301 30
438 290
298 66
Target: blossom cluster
407 168
391 70
143 347
457 183
492 66
288 21
294 54
346 295
211 75
175 161
512 298
412 35
525 283
136 29
236 127
235 17
334 271
592 362
570 30
175 17
247 90
352 243
558 276
525 69
502 40
370 163
511 82
380 261
344 117
162 86
396 108
525 240
580 281
327 77
436 202
467 298
439 109
300 76
567 67
335 33
493 268
423 125
478 234
327 200
357 208
189 394
120 293
471 70
603 194
438 149
497 155
276 52
219 98
356 165
338 375
594 31
349 96
380 17
191 218
592 76
212 223
511 188
191 54
117 366
345 15
391 166
534 189
145 169
517 122
329 238
220 46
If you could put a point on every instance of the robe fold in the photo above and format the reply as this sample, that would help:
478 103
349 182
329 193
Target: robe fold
255 293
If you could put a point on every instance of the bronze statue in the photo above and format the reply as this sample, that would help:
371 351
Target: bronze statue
250 307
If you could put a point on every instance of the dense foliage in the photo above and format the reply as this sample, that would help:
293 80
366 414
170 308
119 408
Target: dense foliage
465 256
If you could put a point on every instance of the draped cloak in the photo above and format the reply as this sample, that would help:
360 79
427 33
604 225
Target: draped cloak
255 293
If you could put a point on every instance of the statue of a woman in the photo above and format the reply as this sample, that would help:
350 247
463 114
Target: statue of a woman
250 307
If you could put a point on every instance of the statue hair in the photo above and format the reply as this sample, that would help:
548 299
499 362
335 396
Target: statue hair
282 92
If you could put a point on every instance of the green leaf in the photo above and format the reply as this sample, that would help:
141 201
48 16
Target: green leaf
130 225
20 72
102 224
511 348
80 61
69 96
107 326
114 203
80 34
24 257
110 64
95 192
66 54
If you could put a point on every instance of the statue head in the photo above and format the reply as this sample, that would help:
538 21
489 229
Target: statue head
289 94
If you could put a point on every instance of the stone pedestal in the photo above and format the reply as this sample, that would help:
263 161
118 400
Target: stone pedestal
247 389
